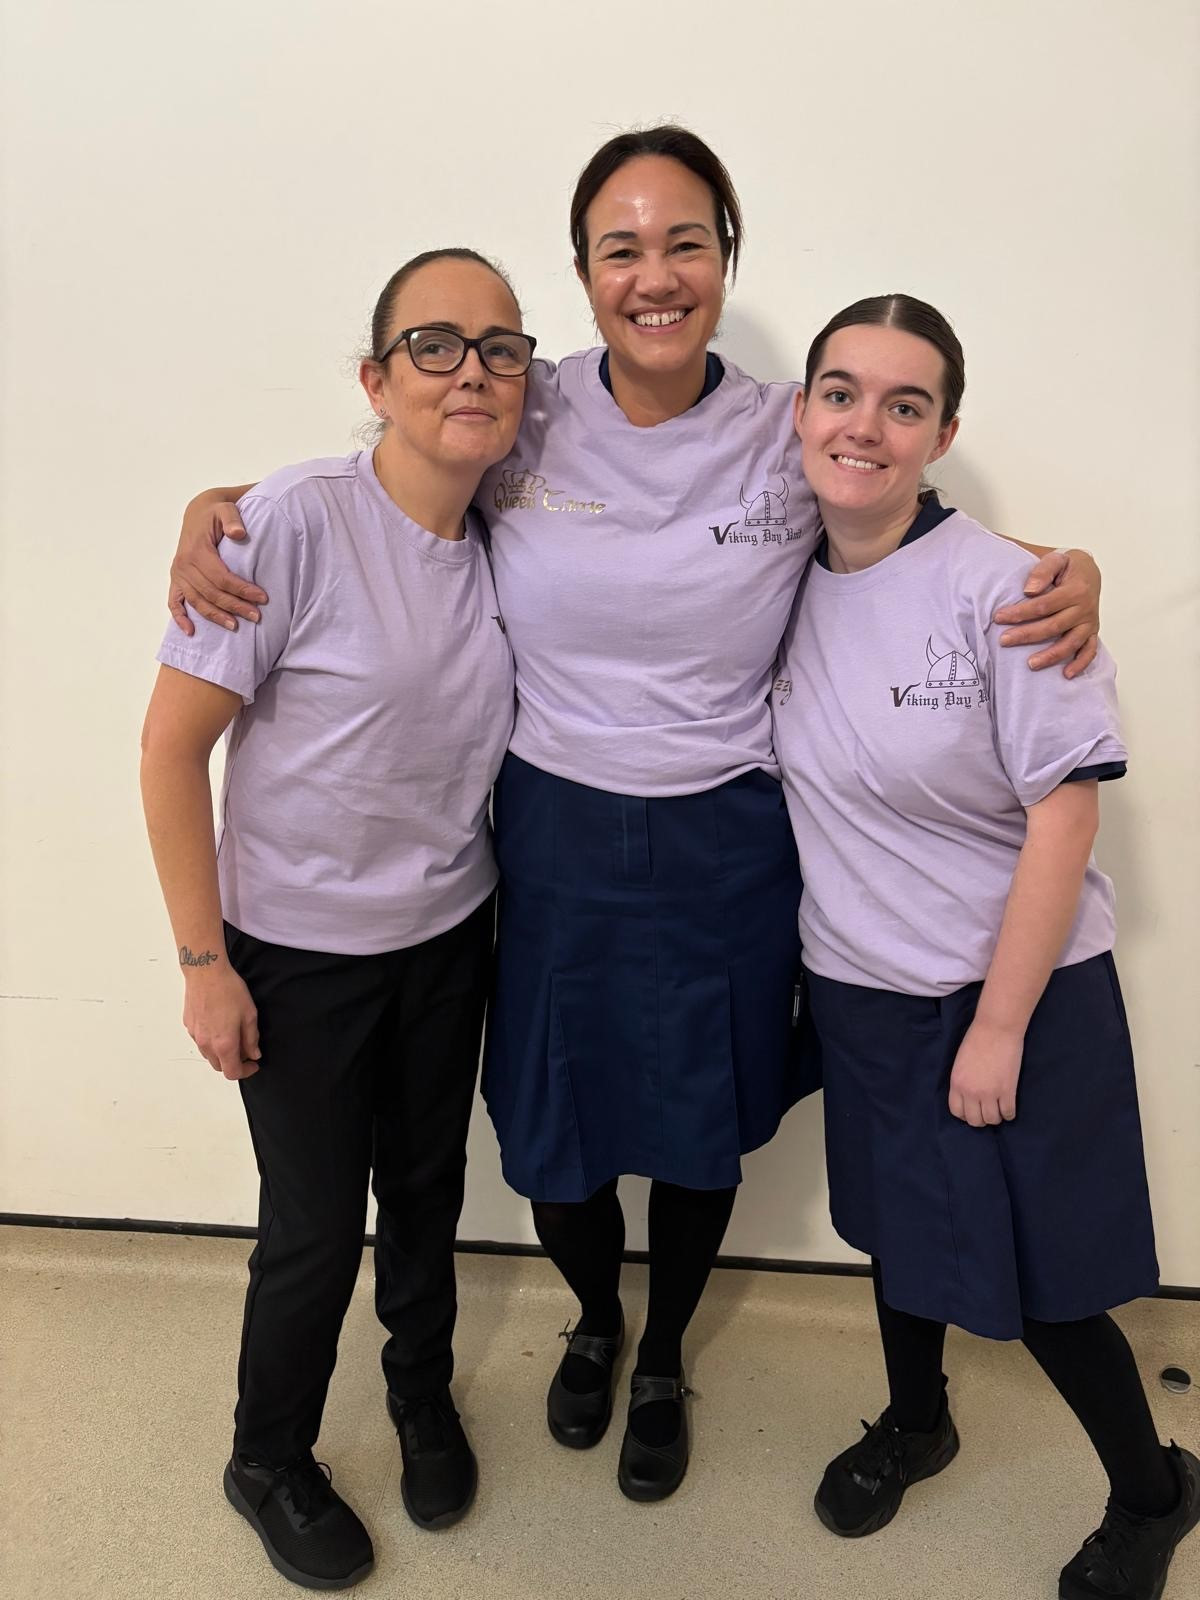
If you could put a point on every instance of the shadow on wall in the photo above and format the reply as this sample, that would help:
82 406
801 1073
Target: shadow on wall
1119 845
960 483
749 345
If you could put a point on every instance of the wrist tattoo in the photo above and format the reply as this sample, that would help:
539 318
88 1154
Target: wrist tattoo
188 959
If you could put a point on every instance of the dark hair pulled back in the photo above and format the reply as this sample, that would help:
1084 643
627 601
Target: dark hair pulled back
679 144
910 316
381 320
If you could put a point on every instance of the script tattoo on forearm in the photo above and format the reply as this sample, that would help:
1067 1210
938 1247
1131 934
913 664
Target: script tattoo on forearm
188 959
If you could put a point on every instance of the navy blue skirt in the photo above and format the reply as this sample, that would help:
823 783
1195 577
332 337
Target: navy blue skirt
1047 1216
645 1017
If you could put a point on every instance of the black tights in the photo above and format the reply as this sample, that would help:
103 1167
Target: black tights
1088 1362
585 1240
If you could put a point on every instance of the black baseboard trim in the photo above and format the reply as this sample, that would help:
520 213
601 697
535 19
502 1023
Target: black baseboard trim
468 1247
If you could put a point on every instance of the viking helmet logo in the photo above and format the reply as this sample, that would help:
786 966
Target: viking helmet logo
767 509
958 669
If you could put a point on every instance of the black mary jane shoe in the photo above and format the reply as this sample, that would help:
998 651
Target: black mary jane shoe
652 1472
579 1420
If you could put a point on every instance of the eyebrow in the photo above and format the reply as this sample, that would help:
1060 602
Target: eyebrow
904 388
455 327
631 233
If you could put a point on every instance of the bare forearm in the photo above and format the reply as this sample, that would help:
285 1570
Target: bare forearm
177 800
1040 910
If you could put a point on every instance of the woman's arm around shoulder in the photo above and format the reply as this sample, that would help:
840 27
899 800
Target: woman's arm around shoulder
199 578
1061 609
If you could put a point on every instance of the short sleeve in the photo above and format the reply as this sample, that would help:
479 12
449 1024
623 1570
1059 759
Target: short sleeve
1048 727
274 556
1103 773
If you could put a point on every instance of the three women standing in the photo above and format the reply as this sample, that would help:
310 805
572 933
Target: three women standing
649 532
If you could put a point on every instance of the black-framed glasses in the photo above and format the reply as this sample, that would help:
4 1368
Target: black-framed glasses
505 355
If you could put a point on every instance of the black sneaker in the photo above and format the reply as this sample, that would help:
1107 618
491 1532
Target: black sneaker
440 1472
863 1487
1127 1557
309 1533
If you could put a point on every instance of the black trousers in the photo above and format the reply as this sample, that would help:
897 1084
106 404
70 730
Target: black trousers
367 1077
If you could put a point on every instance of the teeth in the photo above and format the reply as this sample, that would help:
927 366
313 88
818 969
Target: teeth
658 319
860 466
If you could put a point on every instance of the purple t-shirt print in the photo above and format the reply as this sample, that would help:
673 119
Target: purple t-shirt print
911 744
378 702
646 576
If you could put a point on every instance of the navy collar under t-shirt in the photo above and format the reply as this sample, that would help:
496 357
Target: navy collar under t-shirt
714 371
930 512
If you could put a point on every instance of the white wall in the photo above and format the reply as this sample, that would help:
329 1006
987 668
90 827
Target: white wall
200 205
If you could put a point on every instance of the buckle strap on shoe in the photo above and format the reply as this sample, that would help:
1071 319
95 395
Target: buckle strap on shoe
599 1348
644 1391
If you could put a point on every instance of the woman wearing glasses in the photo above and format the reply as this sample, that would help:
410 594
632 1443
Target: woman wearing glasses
649 532
336 943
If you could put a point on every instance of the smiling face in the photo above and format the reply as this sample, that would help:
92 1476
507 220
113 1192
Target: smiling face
872 421
468 418
655 274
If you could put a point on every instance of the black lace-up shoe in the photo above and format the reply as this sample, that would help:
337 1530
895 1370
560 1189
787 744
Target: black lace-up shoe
440 1472
580 1420
863 1487
309 1533
652 1472
1127 1557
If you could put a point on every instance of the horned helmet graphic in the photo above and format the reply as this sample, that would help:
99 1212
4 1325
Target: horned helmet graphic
958 669
767 509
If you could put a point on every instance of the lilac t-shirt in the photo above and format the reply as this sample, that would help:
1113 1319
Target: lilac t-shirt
646 576
378 702
910 744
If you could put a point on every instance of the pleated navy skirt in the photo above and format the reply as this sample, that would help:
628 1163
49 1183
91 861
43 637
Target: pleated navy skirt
1047 1216
648 1013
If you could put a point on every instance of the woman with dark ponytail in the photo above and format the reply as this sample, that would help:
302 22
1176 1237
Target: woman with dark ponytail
336 941
648 532
980 1105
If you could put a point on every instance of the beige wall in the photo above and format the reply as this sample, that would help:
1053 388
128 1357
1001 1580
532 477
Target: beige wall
201 202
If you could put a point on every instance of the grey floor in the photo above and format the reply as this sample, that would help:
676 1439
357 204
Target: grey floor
117 1384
